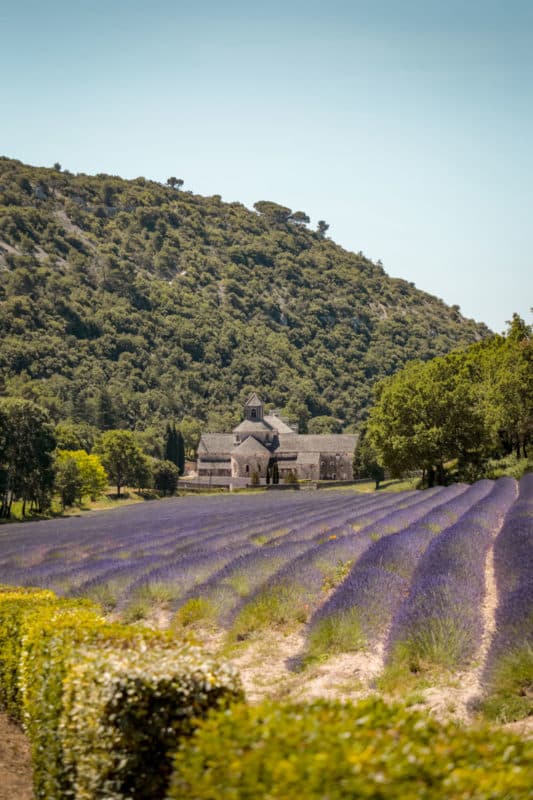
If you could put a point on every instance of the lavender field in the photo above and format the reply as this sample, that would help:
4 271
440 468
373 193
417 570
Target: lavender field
413 577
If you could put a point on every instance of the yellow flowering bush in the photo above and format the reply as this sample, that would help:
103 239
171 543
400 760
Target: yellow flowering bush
341 752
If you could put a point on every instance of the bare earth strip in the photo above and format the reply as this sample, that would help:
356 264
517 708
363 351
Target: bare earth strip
15 762
269 668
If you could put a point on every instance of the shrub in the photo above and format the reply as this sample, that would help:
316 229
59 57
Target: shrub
51 642
78 474
340 751
15 604
165 476
103 704
125 710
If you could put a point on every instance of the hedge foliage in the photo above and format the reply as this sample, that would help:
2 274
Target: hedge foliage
329 750
14 605
125 711
103 704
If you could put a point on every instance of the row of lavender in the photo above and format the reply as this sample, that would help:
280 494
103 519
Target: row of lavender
242 583
421 591
441 621
413 572
508 674
164 551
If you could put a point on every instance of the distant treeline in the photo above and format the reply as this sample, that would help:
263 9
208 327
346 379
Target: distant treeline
39 460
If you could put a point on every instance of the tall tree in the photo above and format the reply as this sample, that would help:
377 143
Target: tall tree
171 444
74 436
366 462
181 453
191 430
175 183
273 212
67 479
511 386
122 457
426 415
76 468
28 460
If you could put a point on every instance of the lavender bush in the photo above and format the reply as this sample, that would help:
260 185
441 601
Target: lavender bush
441 623
508 673
358 610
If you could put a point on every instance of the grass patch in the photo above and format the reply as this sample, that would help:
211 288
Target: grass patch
412 667
438 643
194 611
338 633
260 539
509 695
240 583
280 607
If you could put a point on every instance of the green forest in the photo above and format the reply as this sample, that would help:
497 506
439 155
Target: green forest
129 303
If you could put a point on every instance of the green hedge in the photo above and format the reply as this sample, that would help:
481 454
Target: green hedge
104 704
125 711
334 751
51 638
15 605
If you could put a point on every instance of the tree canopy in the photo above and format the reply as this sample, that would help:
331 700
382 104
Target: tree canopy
123 459
464 406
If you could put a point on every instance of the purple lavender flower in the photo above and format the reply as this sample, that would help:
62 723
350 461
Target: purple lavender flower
441 620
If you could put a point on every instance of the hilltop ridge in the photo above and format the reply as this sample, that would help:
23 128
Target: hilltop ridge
128 302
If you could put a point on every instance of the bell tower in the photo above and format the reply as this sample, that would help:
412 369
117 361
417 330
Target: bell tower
253 408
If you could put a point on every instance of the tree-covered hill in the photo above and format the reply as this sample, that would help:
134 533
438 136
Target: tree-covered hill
126 302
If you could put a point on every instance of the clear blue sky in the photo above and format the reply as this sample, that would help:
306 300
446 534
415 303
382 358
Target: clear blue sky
407 125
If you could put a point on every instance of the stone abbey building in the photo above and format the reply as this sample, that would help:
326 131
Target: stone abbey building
261 440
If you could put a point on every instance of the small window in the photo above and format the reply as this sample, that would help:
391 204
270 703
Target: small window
254 413
247 468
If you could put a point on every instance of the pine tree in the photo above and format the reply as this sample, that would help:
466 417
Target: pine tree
172 445
180 444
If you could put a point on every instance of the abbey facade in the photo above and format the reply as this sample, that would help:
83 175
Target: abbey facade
260 441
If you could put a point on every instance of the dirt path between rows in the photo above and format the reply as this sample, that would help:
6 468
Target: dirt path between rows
15 762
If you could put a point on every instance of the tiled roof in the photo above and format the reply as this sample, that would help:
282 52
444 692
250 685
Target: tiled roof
251 426
222 443
317 443
215 443
278 424
250 446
